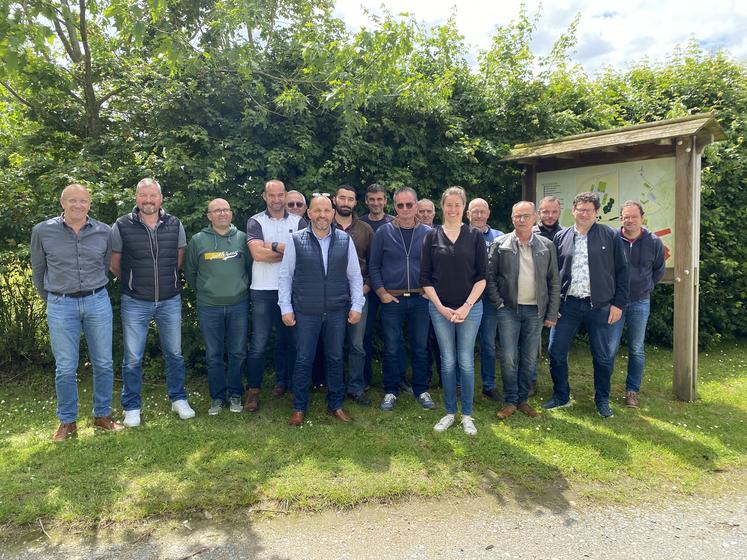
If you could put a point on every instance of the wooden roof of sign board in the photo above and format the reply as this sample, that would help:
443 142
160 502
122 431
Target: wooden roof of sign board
702 125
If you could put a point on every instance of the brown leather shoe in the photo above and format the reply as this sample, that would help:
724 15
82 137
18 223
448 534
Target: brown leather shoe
107 424
65 431
506 412
278 390
631 399
340 414
527 409
251 400
296 419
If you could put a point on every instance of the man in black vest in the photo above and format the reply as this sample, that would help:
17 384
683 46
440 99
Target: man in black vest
147 253
319 287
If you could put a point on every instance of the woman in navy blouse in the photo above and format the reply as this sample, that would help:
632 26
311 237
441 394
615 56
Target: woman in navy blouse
452 273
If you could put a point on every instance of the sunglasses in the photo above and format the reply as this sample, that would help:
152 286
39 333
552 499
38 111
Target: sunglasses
403 205
294 204
316 194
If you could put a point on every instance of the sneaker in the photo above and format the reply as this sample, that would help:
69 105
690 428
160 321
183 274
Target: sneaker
361 398
444 424
131 418
405 387
387 405
554 403
631 399
215 408
426 401
493 394
182 408
469 426
235 404
604 410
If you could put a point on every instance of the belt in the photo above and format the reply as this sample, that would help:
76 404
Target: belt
586 299
406 293
82 293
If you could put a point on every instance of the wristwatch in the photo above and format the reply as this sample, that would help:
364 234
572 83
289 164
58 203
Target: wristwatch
274 246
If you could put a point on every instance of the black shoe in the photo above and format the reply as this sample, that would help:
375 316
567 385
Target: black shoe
361 398
493 394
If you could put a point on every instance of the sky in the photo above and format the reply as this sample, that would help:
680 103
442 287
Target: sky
612 34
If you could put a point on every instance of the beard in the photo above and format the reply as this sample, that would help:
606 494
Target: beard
344 211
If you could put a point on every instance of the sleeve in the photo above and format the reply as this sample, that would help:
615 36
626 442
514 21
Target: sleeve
108 253
38 262
190 263
285 278
254 230
426 260
116 239
658 267
491 286
481 257
182 237
355 280
374 260
553 286
622 274
302 224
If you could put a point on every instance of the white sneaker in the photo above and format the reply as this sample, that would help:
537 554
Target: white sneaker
182 408
444 424
131 418
469 426
236 405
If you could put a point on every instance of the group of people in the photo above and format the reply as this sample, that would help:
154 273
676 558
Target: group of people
320 279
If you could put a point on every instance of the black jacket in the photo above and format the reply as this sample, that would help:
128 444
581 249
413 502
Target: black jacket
646 260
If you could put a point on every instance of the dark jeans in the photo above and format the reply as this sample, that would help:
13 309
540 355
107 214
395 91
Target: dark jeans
520 331
486 339
374 304
412 310
575 312
224 329
329 327
265 315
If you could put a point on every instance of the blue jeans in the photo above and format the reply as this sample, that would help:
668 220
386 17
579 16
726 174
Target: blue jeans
413 310
575 312
635 318
520 330
265 315
309 328
374 304
487 345
357 353
136 317
66 317
457 344
224 329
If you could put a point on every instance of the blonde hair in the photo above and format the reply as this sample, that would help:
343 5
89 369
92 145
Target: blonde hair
454 191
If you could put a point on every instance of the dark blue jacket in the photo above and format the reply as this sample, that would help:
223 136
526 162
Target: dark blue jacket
315 292
388 263
608 266
646 260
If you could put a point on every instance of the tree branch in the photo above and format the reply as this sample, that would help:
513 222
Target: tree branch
71 30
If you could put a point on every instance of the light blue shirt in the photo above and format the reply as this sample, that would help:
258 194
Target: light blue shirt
288 268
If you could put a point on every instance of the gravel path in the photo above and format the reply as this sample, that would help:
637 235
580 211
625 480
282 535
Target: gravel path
473 528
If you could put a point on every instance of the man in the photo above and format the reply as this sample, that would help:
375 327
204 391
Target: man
147 253
217 267
394 266
295 203
524 288
69 260
426 211
549 214
320 287
645 253
268 234
478 213
376 204
594 292
361 235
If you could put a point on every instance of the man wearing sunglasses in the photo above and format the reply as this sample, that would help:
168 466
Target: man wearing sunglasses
295 202
394 267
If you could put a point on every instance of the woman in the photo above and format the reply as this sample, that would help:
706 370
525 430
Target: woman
452 273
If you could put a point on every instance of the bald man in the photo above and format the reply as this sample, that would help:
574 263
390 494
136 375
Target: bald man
70 256
320 291
217 266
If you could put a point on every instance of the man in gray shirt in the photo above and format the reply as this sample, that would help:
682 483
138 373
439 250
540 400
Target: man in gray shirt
69 258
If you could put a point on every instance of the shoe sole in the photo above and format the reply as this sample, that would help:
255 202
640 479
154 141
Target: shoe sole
566 405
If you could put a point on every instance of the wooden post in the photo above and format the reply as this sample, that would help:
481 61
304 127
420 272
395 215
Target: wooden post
687 210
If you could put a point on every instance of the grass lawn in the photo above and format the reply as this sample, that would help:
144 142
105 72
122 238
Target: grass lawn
231 462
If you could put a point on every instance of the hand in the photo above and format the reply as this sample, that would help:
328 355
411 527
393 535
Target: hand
550 324
615 314
289 319
366 289
388 298
447 312
461 313
354 317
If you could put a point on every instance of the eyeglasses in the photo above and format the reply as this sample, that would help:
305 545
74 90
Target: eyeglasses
522 217
220 211
316 194
293 204
585 210
403 205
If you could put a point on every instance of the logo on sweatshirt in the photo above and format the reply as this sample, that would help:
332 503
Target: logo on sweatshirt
220 255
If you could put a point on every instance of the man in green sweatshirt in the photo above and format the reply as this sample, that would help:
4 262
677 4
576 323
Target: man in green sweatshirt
217 267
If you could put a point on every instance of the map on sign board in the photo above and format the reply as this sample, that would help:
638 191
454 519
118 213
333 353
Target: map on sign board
650 182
